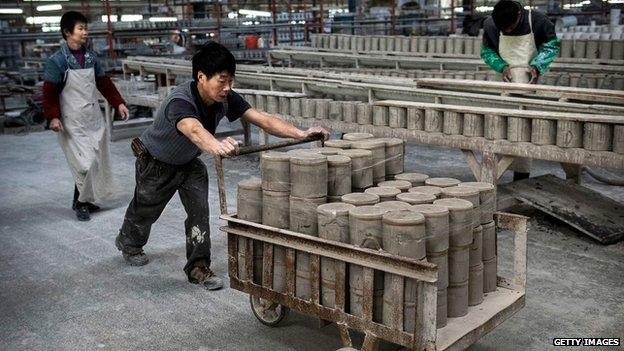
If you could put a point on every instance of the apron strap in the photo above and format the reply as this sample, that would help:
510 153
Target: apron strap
530 21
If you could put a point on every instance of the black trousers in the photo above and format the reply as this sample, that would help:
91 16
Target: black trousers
156 183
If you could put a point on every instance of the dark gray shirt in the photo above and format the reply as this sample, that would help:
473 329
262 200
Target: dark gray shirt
163 139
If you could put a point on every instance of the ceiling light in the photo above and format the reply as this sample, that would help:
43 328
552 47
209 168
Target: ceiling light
54 7
11 11
163 19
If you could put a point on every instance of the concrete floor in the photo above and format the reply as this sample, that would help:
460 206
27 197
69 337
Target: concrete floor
64 286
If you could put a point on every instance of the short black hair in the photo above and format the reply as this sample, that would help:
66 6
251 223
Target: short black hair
69 20
505 13
213 58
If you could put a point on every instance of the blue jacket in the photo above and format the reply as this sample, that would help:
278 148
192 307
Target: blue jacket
62 59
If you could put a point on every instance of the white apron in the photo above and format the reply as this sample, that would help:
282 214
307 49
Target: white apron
518 51
85 137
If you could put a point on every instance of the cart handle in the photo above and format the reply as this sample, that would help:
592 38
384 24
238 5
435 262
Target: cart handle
250 150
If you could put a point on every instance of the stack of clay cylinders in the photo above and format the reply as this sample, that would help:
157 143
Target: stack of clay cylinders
361 168
272 106
434 119
333 224
487 199
461 214
452 123
338 144
489 257
261 102
249 208
402 185
403 235
365 230
415 119
416 198
338 177
427 189
397 117
394 205
380 115
308 177
494 127
295 107
598 136
364 113
442 182
284 105
437 245
518 129
378 148
308 108
417 179
475 270
467 193
385 193
395 151
322 108
349 112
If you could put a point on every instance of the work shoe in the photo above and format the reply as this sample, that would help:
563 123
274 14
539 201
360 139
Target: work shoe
82 212
204 276
132 259
92 207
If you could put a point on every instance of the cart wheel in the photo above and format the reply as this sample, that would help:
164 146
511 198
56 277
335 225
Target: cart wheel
268 313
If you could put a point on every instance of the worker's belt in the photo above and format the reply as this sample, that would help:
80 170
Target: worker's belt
138 149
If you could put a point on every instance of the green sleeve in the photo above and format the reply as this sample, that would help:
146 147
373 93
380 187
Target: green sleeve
546 55
492 59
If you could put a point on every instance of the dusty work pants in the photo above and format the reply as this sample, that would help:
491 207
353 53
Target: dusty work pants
156 183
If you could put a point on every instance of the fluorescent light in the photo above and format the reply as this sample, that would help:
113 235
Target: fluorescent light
51 29
43 19
163 19
131 18
105 18
254 13
11 11
54 7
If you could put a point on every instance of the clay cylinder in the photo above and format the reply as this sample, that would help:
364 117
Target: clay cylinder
284 105
487 199
361 167
427 189
457 299
338 175
475 285
489 275
335 110
356 292
308 108
436 226
249 200
378 148
416 179
404 233
453 123
567 46
384 193
476 248
466 193
359 43
473 125
365 227
276 209
357 137
397 117
261 102
339 144
322 109
597 136
518 129
495 127
364 112
439 45
440 259
275 170
580 46
349 112
442 182
441 309
618 139
520 74
415 119
295 107
380 115
394 156
360 199
327 151
272 104
569 134
393 205
461 214
416 198
402 185
308 175
303 216
398 44
433 120
488 244
543 131
458 263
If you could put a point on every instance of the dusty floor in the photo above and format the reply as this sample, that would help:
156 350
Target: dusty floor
64 286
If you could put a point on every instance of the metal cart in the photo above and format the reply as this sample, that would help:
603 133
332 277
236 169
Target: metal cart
270 306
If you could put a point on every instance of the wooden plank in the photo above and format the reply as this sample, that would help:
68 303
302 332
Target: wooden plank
595 215
473 163
503 165
290 272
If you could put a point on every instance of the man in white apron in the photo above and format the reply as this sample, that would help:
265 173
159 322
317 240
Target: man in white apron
520 44
72 78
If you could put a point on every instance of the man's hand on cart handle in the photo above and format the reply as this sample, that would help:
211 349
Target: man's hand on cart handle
223 148
312 131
